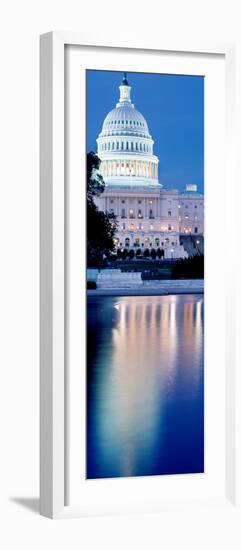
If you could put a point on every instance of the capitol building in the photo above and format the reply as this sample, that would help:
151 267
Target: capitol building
148 215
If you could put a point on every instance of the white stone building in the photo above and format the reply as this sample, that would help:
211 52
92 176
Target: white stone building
148 215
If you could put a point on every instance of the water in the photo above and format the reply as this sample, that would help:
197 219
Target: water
145 386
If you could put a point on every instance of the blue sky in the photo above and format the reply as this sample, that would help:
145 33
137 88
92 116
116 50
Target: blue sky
174 110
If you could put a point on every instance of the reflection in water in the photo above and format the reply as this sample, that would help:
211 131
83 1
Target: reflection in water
145 386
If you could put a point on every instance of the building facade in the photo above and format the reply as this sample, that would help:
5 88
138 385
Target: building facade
148 215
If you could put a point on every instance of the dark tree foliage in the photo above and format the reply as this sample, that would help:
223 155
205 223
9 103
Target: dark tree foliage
95 182
190 268
146 252
160 253
131 254
101 226
153 253
138 252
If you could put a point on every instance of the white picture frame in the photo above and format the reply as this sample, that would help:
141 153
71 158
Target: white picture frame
53 427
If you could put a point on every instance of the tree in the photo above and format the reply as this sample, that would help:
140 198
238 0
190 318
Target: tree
124 253
138 252
189 268
146 252
131 254
101 226
153 253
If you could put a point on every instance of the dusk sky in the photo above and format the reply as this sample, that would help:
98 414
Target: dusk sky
173 107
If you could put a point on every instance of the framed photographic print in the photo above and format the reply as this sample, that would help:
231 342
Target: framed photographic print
138 392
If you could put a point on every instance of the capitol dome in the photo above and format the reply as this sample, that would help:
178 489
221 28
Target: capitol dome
125 145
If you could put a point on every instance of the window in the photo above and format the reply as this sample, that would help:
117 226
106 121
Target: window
139 201
132 146
169 227
127 145
111 201
195 206
139 213
169 213
140 146
136 146
113 145
151 213
123 201
122 145
195 229
150 201
131 213
123 213
117 145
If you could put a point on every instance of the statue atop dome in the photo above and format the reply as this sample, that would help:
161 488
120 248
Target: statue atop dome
124 80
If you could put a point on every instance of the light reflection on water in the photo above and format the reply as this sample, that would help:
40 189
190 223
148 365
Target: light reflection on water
145 385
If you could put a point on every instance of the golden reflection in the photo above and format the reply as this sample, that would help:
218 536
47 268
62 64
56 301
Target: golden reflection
156 343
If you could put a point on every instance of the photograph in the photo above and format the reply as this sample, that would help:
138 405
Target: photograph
145 274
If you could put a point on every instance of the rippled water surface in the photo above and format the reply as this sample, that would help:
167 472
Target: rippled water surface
145 410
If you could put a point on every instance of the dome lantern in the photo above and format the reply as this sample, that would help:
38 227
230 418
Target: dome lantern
125 93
